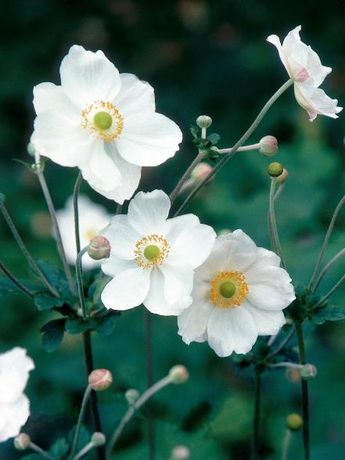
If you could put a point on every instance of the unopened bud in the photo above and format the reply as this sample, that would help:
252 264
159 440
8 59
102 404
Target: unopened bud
180 453
294 422
283 176
30 148
293 375
22 441
201 171
275 169
98 439
100 379
308 371
268 146
178 374
204 121
99 248
132 395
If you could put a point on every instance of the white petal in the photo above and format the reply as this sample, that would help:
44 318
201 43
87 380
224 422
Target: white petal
122 237
274 39
275 276
149 140
126 290
241 250
231 329
271 297
315 101
267 322
136 97
15 366
179 224
265 258
178 281
114 265
12 417
87 76
147 212
52 98
193 321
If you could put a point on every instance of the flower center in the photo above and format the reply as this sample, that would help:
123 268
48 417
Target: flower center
151 251
228 289
103 120
90 233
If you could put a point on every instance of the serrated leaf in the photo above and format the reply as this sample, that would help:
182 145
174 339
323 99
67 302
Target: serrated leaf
56 277
47 302
106 325
59 449
78 326
328 313
214 138
53 332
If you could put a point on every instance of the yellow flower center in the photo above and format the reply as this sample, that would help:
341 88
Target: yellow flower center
90 233
151 251
228 289
103 120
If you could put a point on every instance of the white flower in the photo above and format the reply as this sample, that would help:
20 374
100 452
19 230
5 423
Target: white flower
153 258
304 66
14 405
239 293
102 122
92 219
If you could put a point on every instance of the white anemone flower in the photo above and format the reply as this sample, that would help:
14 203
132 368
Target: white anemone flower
304 66
15 366
103 122
239 293
153 258
93 218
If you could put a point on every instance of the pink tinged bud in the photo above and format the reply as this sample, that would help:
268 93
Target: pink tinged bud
301 75
268 146
100 379
98 439
99 248
180 453
201 171
22 441
308 371
178 374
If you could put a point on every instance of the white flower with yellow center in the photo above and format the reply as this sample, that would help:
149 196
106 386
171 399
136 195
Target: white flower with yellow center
239 293
153 258
92 219
14 405
304 66
103 122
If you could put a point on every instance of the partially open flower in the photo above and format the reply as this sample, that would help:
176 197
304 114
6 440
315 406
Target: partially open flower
100 379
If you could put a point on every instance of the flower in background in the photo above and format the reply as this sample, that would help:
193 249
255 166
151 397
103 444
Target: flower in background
15 366
153 258
92 219
304 66
103 122
239 293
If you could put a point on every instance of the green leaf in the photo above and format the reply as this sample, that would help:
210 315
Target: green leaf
8 287
32 457
56 277
78 326
214 138
328 313
59 448
53 332
106 325
47 302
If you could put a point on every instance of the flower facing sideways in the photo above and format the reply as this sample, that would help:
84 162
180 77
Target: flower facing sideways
103 122
239 293
304 66
92 219
153 258
14 405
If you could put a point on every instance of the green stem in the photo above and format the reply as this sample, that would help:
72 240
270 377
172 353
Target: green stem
15 280
40 451
80 420
79 276
272 224
330 292
84 451
256 420
149 380
286 445
305 392
76 211
238 144
326 268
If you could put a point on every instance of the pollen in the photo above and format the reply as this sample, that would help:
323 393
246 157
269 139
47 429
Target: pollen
151 251
103 120
228 289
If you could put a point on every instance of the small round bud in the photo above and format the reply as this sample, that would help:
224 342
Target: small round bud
180 453
99 248
30 148
100 379
201 171
308 371
282 178
204 121
293 375
268 146
22 441
178 374
275 169
98 439
132 395
294 422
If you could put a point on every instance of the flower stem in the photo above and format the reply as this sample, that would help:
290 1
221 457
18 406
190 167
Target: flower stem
245 148
330 292
79 276
89 446
286 445
40 451
256 420
52 213
149 378
282 344
305 392
325 242
326 268
238 144
272 224
15 281
80 419
76 211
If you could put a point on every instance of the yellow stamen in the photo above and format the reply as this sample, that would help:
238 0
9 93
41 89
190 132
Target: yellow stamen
228 289
103 120
151 251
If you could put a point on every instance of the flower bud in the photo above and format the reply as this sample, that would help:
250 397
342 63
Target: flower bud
282 178
98 439
22 441
30 148
180 453
100 379
99 248
275 169
201 171
308 371
132 395
204 121
294 422
268 146
178 374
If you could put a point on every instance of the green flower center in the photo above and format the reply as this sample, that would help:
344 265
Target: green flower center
102 120
151 252
227 289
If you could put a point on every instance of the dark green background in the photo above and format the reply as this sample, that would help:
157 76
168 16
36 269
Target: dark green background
201 57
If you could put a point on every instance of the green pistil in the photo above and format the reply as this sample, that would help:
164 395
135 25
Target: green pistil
151 252
227 289
102 120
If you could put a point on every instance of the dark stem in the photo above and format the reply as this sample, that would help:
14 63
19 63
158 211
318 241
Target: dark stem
15 280
256 420
76 210
305 393
150 381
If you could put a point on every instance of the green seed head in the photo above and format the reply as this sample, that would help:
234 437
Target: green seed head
151 252
227 289
102 120
275 169
294 422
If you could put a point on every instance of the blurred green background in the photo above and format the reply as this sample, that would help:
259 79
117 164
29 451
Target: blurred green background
201 56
